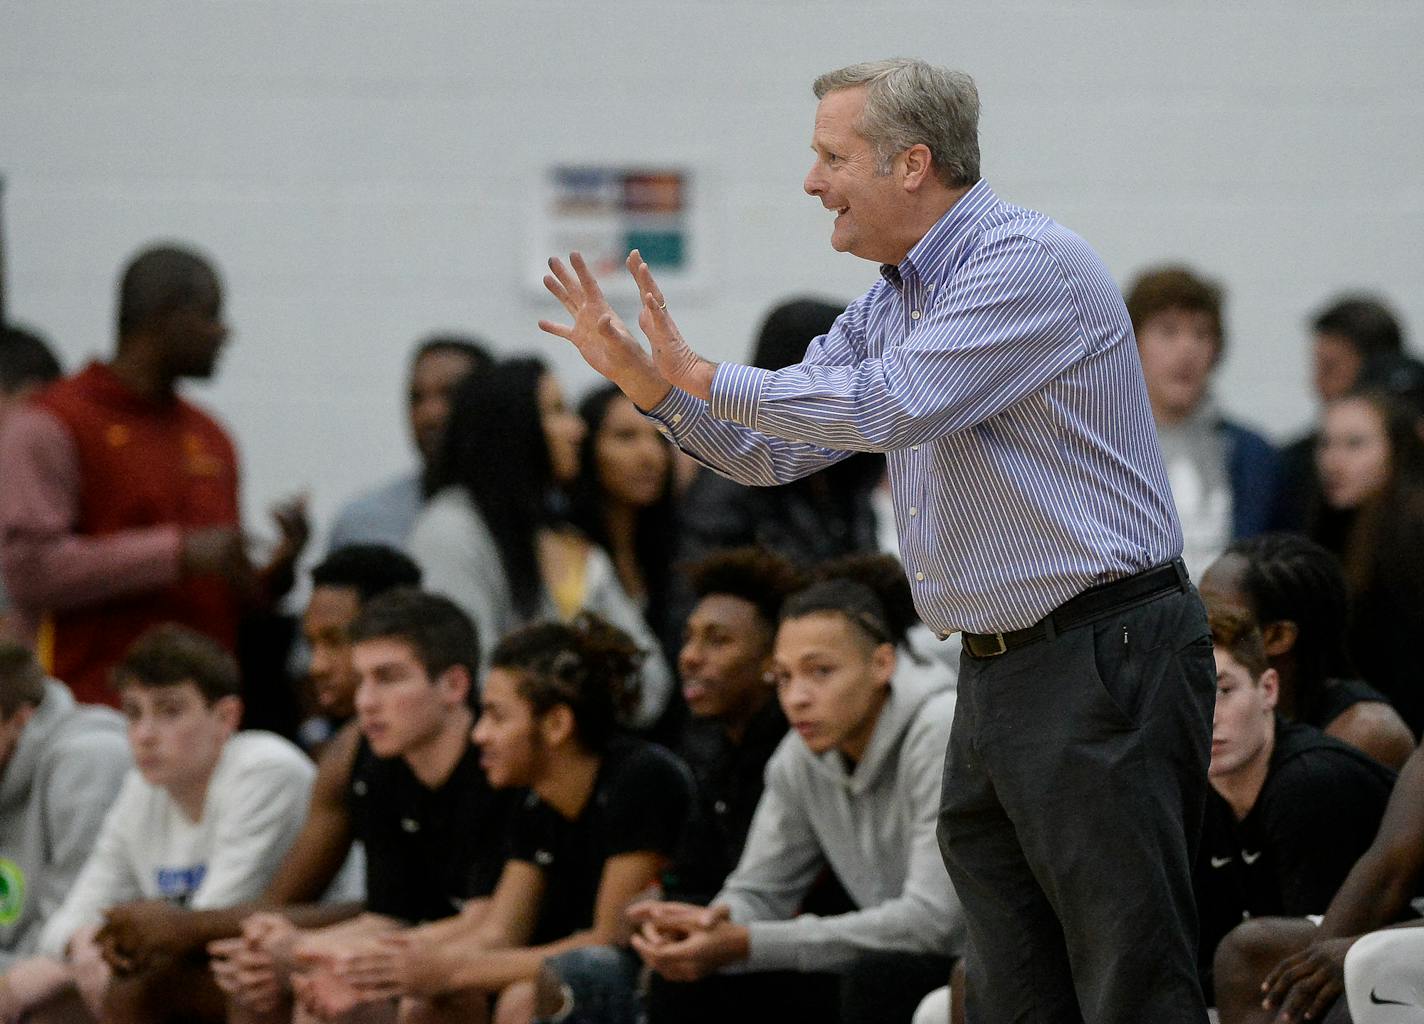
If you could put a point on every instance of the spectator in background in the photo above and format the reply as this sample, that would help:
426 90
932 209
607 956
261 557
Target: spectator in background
1223 475
604 815
342 583
60 769
1295 590
415 797
1371 514
1350 335
730 690
623 500
119 508
1297 964
821 516
495 537
26 365
386 514
202 821
854 787
1291 809
158 947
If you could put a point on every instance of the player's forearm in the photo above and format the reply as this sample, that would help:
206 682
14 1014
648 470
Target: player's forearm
1375 893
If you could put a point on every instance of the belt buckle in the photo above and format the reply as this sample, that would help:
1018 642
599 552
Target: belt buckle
1002 647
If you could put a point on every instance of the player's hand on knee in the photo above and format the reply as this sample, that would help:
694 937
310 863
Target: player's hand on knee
1303 986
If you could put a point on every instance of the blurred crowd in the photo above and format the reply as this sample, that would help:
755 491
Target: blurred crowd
571 728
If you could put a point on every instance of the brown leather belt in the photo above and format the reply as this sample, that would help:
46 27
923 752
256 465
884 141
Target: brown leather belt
1089 606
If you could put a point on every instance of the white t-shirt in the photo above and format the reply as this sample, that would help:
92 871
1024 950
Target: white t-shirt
149 849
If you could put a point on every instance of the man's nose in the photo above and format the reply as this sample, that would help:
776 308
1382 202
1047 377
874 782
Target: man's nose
812 183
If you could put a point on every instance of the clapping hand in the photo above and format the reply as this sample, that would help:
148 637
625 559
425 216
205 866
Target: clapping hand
610 348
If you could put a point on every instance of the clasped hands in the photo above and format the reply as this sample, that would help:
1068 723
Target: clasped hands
330 975
685 942
606 343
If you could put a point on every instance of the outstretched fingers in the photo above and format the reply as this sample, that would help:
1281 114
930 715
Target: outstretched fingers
592 292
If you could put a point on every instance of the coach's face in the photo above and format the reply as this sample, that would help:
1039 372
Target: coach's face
870 207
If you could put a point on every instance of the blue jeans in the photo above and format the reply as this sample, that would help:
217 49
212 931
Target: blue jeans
604 984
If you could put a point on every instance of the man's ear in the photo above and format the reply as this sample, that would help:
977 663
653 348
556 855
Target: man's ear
557 725
1280 637
1270 684
455 683
919 166
229 711
882 663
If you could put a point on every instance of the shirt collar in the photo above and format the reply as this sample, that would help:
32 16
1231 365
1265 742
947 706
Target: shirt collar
927 256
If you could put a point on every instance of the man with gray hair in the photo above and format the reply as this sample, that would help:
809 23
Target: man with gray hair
994 364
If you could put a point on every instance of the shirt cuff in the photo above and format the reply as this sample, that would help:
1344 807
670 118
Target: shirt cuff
773 946
736 393
677 414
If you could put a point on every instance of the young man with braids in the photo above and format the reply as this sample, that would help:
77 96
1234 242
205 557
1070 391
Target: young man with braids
1295 590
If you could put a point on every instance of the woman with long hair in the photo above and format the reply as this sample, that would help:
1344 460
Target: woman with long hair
495 536
1371 465
623 499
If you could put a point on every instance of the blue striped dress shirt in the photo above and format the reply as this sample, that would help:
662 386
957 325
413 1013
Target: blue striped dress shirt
996 368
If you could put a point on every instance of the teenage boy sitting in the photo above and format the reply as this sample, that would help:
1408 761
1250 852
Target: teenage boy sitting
141 940
1290 810
202 821
433 830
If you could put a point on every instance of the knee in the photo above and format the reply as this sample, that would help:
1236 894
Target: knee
551 995
1248 950
587 965
1248 953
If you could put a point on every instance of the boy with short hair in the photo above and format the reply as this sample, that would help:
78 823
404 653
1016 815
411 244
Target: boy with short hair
203 820
1290 809
433 830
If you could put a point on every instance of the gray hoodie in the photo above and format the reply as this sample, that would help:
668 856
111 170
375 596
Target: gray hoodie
63 776
876 829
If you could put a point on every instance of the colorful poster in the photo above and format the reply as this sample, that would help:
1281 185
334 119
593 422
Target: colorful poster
604 211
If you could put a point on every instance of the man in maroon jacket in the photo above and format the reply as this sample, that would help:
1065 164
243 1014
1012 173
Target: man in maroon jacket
119 504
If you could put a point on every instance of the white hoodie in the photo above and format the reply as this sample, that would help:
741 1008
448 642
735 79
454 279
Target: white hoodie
148 848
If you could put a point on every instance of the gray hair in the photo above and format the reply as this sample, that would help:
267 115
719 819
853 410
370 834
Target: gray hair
910 101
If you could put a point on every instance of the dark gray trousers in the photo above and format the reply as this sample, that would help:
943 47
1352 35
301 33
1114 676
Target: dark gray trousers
1073 797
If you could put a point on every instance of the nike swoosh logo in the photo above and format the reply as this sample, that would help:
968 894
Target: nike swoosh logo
1220 862
1250 858
1385 1002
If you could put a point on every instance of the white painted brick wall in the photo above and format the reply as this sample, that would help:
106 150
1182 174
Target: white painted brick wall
363 170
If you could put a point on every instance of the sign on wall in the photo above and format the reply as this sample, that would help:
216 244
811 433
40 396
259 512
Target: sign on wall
605 210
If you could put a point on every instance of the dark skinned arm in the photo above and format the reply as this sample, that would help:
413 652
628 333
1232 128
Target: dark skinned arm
1376 891
1376 728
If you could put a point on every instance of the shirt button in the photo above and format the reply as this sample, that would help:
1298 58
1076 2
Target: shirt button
920 577
410 824
914 511
914 447
720 807
677 417
914 314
